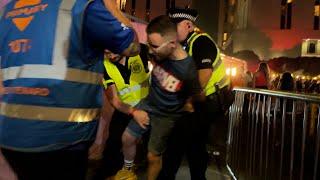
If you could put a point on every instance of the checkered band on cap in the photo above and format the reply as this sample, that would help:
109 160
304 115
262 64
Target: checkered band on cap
178 14
183 15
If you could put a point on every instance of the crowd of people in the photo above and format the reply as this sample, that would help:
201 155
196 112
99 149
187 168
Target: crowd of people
77 85
286 81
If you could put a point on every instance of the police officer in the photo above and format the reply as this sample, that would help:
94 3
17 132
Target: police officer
193 130
51 62
126 82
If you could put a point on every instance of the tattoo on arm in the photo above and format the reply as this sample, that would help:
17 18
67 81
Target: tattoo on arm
132 50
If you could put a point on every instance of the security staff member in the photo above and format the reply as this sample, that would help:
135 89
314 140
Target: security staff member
51 62
193 130
126 82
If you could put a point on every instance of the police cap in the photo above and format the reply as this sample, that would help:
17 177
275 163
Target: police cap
178 14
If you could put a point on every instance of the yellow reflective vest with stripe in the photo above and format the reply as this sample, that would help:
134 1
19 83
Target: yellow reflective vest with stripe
219 76
138 87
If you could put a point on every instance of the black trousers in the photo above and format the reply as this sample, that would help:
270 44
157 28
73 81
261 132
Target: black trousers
112 160
189 138
66 164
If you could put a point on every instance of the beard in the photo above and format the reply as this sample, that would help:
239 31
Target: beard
161 57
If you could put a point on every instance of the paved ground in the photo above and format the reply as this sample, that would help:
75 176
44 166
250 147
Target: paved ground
213 173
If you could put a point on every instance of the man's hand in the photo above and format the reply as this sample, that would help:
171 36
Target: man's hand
188 107
6 173
96 151
141 117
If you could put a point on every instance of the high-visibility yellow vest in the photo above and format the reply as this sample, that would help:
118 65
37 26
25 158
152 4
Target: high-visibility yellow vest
138 86
219 76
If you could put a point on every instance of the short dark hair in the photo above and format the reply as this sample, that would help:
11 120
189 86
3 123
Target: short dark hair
162 25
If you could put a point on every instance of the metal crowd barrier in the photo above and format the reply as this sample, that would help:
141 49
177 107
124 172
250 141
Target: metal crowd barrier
274 135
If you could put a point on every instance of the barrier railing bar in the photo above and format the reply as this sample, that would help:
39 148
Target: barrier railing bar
315 171
304 129
284 105
256 131
261 134
274 126
268 134
248 134
292 138
240 132
252 132
236 129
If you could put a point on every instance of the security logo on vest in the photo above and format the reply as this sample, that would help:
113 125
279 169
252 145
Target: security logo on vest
27 9
136 67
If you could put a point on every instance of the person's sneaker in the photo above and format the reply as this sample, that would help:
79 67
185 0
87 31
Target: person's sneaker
126 174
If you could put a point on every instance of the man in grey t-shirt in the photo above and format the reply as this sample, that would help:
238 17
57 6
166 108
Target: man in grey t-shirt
174 80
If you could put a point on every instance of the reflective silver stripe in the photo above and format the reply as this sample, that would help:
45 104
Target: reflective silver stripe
67 4
133 103
48 113
58 70
62 37
130 89
50 72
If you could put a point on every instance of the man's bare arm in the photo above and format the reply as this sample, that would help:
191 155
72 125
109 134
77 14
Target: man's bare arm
111 5
97 148
204 77
115 100
140 116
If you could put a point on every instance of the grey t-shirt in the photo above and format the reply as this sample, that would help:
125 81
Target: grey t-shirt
172 83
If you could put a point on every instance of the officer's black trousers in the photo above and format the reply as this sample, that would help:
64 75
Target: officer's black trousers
189 138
